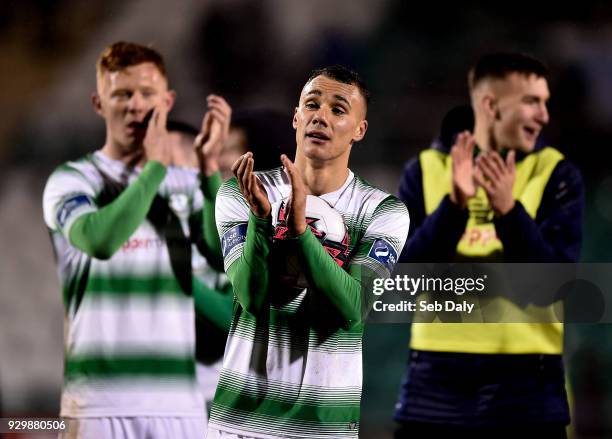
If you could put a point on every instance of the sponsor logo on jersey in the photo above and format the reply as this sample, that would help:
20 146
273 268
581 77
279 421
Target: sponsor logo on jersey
69 206
233 237
481 236
384 253
142 244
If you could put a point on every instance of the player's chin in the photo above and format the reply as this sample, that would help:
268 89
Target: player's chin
132 144
317 151
526 145
135 138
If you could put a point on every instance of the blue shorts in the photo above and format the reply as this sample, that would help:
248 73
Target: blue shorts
483 390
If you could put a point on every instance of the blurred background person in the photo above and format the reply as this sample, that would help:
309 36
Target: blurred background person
118 220
524 207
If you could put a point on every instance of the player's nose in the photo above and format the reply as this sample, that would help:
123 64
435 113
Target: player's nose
136 103
542 116
321 117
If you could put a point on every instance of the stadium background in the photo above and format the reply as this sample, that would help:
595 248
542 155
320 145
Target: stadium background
257 54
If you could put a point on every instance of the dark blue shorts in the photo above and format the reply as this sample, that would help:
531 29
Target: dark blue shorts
488 390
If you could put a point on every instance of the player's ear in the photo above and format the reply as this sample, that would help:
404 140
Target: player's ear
360 130
170 99
96 103
295 118
488 103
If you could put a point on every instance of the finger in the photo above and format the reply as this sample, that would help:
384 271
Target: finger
486 165
260 187
163 117
498 163
260 195
487 175
458 140
291 170
483 182
199 141
152 126
456 156
237 164
455 152
511 161
205 127
285 160
247 171
220 104
251 185
154 121
219 115
217 100
147 119
240 170
470 145
239 173
464 147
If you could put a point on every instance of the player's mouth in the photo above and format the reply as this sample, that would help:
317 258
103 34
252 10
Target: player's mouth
140 125
531 132
137 126
318 137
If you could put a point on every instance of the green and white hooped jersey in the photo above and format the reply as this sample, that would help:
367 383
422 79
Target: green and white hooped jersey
129 326
294 371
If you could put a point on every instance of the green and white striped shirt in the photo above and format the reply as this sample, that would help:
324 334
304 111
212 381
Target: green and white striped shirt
294 370
129 324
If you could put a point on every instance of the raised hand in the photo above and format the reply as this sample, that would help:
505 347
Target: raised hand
464 186
497 178
155 140
250 186
296 206
213 134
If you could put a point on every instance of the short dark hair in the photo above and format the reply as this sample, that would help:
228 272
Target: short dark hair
121 55
345 75
500 65
457 120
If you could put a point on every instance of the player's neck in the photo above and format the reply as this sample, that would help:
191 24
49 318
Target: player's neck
322 178
482 136
129 158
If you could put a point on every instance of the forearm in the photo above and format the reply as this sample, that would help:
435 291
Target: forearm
555 235
214 305
100 234
249 273
522 239
324 274
436 238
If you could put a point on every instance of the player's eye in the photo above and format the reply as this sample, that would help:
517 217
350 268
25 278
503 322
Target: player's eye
311 105
122 94
338 110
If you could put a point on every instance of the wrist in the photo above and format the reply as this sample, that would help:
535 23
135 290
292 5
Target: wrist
458 200
261 213
299 230
209 167
505 208
156 163
164 160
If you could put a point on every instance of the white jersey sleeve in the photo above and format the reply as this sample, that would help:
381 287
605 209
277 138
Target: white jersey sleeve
232 216
67 196
384 238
